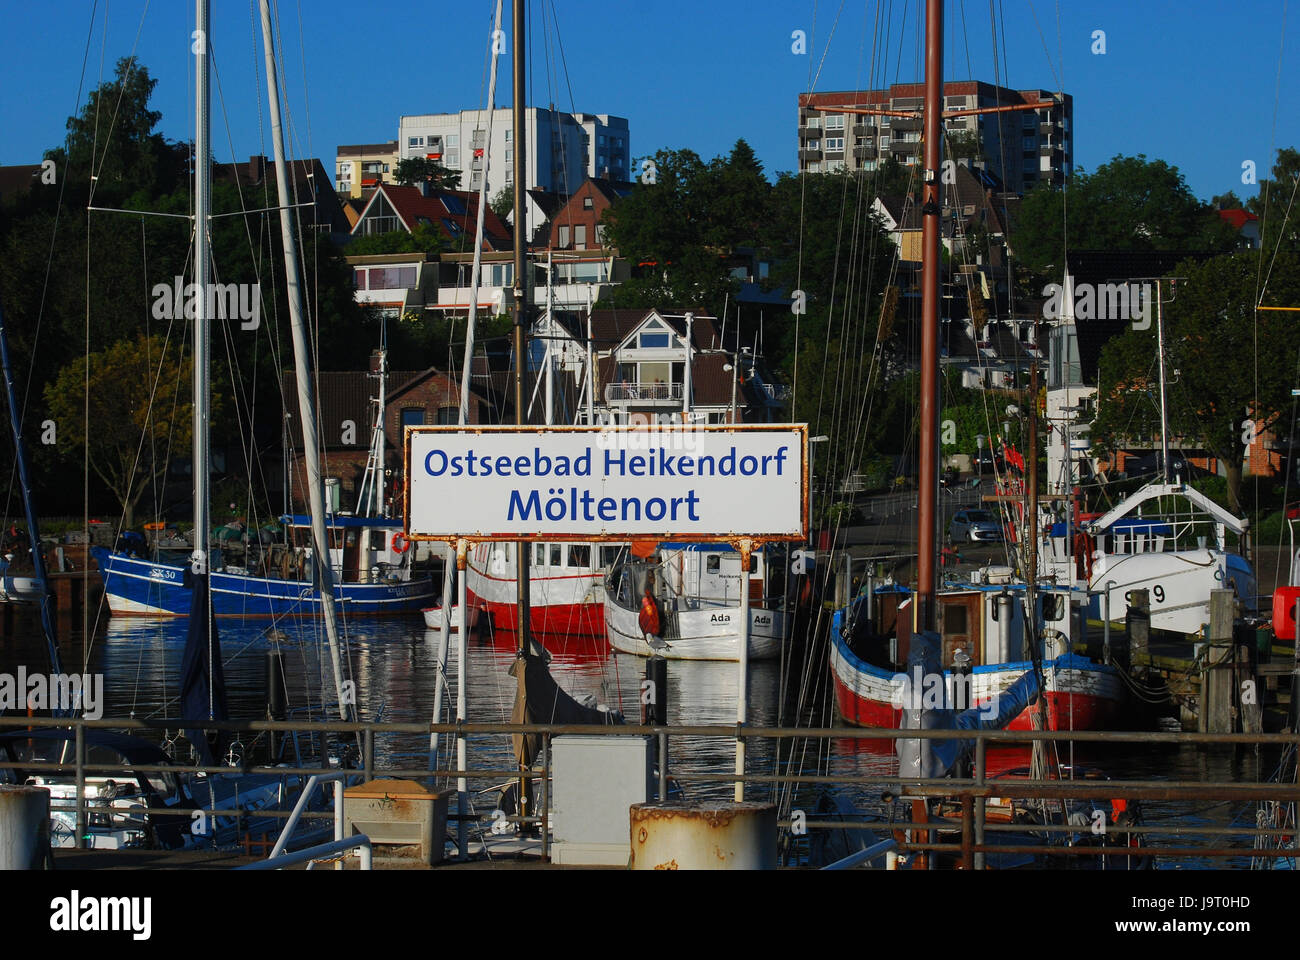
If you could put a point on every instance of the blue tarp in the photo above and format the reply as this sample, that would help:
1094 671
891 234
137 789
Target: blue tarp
203 682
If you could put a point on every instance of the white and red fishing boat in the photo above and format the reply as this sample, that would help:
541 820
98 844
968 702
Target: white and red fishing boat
566 586
984 652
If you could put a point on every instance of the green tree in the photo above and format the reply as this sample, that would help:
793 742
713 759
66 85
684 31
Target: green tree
1130 203
503 204
414 170
113 141
140 413
664 228
423 239
1212 334
1275 205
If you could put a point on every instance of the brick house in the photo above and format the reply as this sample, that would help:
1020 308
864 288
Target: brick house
347 402
577 224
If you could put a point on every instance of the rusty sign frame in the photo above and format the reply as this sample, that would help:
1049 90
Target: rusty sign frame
539 430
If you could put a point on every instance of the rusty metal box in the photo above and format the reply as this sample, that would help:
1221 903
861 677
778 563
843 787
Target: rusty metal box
398 812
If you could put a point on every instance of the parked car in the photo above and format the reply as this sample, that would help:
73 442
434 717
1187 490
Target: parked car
974 526
987 460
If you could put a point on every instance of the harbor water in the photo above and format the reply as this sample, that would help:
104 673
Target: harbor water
393 663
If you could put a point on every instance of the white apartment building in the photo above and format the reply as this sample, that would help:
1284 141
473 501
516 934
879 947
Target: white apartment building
562 149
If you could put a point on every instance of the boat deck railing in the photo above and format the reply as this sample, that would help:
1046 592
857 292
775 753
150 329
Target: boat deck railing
1267 833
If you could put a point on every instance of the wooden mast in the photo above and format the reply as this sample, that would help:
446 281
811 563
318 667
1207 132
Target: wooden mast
927 545
522 598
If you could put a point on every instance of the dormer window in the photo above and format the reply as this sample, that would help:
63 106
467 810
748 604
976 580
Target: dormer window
654 335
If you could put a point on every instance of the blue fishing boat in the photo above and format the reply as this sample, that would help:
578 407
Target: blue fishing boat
370 559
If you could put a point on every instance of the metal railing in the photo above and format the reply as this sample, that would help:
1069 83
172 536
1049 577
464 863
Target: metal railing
643 391
913 837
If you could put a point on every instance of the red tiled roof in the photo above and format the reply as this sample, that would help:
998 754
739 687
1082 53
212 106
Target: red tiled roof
441 207
1238 218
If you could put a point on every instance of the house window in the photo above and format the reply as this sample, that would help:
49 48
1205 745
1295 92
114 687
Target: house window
415 141
580 236
453 159
564 235
448 416
510 174
359 279
600 234
413 416
835 122
453 140
654 340
834 144
509 133
510 154
586 203
813 123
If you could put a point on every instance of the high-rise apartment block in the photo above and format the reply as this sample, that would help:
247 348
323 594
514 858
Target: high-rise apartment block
562 149
1023 148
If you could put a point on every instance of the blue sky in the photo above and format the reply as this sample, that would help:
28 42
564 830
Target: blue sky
1195 83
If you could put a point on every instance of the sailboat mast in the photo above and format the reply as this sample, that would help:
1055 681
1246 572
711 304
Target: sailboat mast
1164 409
306 398
202 277
927 545
523 601
33 527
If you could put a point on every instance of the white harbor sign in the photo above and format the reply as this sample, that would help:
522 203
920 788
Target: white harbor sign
589 483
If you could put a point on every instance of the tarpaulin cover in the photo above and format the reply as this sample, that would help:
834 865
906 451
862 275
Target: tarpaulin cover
920 759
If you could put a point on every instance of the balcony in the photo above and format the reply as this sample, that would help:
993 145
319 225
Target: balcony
902 148
864 129
1048 128
809 133
864 152
810 154
907 123
643 392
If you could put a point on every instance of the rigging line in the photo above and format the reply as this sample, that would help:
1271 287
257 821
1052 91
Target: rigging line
54 229
121 95
1060 85
1272 142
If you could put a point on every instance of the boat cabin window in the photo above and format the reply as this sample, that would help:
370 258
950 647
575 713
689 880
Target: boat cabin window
712 563
954 619
539 555
1053 606
579 555
555 554
608 555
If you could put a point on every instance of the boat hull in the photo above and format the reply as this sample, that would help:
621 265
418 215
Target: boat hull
134 587
710 633
563 605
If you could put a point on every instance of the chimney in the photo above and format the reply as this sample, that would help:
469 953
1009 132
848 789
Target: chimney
256 168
